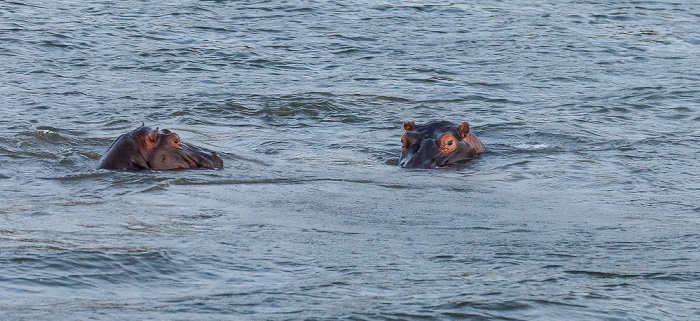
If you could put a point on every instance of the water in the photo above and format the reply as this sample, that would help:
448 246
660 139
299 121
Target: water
585 206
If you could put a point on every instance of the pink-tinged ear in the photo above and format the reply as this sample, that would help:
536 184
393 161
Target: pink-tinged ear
409 126
464 130
151 140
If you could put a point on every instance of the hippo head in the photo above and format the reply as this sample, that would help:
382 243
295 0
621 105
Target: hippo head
437 144
156 149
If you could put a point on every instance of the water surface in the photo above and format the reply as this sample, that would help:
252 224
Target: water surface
584 207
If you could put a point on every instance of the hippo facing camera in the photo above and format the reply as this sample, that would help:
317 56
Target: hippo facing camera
438 143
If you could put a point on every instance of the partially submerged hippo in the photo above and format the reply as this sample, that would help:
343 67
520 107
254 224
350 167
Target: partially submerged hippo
144 148
437 143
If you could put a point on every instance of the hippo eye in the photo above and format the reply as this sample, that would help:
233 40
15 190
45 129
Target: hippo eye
448 143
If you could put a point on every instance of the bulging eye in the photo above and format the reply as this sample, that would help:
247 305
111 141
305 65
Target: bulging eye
448 143
176 141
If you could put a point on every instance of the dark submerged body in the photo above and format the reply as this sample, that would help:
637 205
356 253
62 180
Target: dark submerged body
144 148
438 143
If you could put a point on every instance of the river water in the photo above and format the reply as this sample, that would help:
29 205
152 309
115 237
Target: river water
584 207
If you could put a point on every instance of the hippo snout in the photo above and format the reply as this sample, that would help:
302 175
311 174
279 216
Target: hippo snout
418 164
421 156
203 158
216 161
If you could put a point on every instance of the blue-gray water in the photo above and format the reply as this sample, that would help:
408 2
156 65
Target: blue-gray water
585 207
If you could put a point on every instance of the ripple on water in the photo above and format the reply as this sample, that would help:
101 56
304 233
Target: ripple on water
587 111
81 269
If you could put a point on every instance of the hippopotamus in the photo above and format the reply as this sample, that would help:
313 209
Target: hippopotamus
437 143
156 149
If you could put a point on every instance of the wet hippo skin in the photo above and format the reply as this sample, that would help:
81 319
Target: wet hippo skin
156 149
438 143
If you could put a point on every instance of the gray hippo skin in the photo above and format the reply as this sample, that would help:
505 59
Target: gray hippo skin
144 148
437 143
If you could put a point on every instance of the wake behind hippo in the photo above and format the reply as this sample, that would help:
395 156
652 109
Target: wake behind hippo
438 143
144 148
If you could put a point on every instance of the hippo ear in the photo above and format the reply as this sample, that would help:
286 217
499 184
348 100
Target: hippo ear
409 126
151 139
464 130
